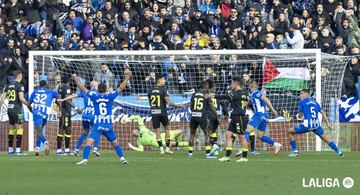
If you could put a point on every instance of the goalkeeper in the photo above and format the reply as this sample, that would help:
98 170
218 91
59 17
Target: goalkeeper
145 137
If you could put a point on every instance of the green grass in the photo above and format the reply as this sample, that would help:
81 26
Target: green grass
150 173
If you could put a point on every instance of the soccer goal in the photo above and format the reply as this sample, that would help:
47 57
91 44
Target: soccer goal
281 74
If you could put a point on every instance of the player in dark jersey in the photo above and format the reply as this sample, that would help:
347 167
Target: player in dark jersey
65 118
15 95
220 108
87 117
200 106
238 102
158 99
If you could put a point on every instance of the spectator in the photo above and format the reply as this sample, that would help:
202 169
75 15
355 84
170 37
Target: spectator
315 41
282 42
3 37
270 42
326 40
104 75
297 41
208 7
352 71
339 43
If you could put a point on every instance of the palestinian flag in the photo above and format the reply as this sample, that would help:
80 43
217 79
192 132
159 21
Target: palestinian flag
284 78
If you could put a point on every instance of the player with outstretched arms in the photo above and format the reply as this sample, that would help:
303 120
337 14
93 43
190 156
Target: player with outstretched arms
103 122
87 117
145 137
65 118
200 106
15 95
309 110
261 116
158 99
238 102
41 100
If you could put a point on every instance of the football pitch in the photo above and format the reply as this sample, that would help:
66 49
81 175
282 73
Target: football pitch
152 173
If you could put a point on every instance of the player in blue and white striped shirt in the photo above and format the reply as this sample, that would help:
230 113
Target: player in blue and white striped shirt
261 116
103 122
41 100
309 109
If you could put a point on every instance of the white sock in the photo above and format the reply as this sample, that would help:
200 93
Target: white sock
67 149
11 150
95 148
58 150
18 150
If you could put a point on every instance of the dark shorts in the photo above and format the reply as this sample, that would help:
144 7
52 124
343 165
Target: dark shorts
238 124
196 122
213 123
15 116
65 122
159 119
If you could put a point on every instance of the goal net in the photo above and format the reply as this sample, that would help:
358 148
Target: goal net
281 74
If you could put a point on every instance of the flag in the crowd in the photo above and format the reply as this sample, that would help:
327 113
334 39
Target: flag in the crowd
284 78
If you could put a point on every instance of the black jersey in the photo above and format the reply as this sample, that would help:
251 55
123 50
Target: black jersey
238 101
12 93
199 105
65 91
157 101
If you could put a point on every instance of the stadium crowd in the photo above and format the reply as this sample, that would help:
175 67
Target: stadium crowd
331 25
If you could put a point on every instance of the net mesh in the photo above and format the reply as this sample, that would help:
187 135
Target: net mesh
183 73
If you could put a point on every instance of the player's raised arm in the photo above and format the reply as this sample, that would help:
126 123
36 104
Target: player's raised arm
269 104
81 86
127 75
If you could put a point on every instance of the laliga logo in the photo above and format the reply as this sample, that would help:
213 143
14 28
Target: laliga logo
348 182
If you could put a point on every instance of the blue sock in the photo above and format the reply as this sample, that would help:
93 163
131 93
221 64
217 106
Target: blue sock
80 141
86 152
119 151
247 136
43 139
38 141
96 143
267 139
334 147
293 145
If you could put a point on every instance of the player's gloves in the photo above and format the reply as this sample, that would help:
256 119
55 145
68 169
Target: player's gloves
287 115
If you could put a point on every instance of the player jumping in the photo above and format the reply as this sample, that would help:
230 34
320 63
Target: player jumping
260 118
103 103
309 109
42 100
145 137
158 99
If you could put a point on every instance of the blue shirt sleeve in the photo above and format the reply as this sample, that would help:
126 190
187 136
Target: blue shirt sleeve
31 99
113 95
301 109
55 94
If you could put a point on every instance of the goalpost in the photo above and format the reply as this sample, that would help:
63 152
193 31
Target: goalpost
282 73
